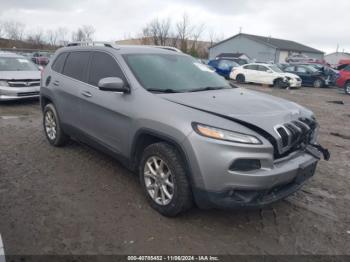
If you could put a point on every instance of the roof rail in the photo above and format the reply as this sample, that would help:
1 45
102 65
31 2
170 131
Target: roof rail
92 43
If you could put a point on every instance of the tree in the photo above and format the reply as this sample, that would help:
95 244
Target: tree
14 30
62 35
52 36
36 38
156 32
184 30
84 33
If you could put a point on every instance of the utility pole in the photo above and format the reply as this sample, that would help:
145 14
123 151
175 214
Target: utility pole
240 29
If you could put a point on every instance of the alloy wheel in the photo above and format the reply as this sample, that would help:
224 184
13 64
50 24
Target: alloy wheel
50 125
159 180
347 88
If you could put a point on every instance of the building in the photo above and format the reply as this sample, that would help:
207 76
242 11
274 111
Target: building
336 57
263 49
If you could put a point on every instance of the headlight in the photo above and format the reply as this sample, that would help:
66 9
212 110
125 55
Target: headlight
3 83
225 135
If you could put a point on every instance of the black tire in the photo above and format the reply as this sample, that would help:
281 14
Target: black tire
60 138
318 83
240 79
278 83
347 88
182 195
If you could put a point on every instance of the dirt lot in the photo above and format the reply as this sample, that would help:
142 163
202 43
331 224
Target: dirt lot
75 200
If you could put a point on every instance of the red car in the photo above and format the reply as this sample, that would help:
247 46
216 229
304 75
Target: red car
344 79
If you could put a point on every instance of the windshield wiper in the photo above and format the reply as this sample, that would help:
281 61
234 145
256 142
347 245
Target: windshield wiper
207 88
163 90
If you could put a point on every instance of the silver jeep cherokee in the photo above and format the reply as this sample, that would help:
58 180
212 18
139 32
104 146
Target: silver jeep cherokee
190 135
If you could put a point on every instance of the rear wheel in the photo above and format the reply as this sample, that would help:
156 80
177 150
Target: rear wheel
163 178
240 78
52 127
347 88
318 83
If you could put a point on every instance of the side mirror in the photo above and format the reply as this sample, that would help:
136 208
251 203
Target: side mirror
113 84
41 68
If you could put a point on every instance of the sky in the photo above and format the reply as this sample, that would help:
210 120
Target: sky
321 24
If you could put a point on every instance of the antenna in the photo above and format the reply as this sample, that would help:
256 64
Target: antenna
240 29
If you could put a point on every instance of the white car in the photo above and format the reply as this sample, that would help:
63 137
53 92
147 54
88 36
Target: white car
19 77
265 74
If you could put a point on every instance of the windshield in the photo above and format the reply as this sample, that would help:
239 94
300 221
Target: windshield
276 69
173 73
16 64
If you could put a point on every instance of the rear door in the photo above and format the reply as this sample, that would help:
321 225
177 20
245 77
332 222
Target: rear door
304 74
251 73
105 115
71 69
264 77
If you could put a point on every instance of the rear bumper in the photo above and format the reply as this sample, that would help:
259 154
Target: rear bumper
251 198
11 93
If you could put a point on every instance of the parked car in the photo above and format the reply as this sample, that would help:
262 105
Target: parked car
190 135
223 66
309 75
344 79
41 58
19 77
264 74
297 58
331 74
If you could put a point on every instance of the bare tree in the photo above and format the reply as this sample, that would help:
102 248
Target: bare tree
88 31
212 36
52 37
1 29
196 33
184 30
36 38
14 30
84 33
62 35
156 32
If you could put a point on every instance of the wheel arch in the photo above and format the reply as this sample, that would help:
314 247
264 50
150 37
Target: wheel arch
146 137
44 100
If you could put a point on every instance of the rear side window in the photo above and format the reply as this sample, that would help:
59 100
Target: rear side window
289 69
262 68
103 65
59 62
76 65
251 67
301 69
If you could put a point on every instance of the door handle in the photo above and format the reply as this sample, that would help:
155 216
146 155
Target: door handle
56 83
86 94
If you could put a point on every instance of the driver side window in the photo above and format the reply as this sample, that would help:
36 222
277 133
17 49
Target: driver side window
103 65
301 70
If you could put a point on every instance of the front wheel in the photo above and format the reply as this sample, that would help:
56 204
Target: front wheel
347 88
278 83
52 127
163 178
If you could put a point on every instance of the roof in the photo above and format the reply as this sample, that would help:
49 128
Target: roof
280 44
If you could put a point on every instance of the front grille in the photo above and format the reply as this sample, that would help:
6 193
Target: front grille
24 83
293 134
28 94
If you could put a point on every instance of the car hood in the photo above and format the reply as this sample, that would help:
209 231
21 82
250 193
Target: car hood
19 75
254 108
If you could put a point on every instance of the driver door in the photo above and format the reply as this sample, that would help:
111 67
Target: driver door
104 115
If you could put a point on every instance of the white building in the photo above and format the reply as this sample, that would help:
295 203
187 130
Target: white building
334 58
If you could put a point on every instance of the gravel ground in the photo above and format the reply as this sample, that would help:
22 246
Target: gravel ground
75 200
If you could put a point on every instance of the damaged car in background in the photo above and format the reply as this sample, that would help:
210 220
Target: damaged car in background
190 135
